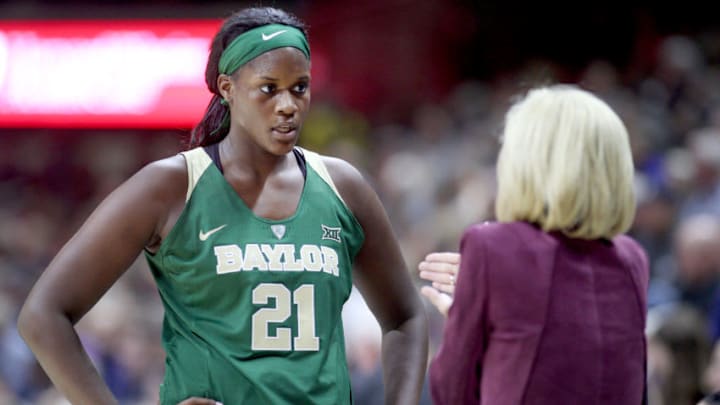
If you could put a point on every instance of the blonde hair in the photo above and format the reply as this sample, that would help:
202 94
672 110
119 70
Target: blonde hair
565 164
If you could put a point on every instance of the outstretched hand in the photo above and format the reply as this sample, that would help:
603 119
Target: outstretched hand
199 401
441 269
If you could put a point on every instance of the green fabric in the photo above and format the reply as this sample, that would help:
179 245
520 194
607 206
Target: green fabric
224 273
257 41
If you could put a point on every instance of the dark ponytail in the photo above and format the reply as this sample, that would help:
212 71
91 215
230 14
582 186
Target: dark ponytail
211 128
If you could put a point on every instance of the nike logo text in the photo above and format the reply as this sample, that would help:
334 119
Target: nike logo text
204 235
273 35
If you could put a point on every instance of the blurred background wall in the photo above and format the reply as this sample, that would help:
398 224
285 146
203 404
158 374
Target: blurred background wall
413 94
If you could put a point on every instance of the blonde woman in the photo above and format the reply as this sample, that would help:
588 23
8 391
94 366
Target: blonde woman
550 301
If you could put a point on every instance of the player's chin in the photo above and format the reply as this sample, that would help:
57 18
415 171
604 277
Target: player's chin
284 142
282 148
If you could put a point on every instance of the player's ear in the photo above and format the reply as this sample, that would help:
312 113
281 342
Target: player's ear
224 84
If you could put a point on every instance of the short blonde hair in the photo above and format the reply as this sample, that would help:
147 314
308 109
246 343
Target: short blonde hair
565 164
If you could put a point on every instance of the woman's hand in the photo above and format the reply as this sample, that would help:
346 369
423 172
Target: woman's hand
441 269
199 401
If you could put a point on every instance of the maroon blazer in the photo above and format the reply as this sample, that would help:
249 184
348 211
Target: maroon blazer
540 318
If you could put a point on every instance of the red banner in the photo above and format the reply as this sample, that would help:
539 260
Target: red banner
104 74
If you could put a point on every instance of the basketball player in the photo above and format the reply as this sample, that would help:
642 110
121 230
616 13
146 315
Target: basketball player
252 242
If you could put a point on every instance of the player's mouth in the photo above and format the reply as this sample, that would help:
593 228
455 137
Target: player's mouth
285 132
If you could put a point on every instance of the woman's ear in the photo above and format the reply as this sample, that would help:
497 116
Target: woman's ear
224 84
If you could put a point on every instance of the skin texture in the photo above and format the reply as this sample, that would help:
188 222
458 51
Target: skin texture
268 98
441 269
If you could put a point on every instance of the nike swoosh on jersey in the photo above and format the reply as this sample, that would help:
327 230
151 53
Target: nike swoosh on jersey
271 36
204 235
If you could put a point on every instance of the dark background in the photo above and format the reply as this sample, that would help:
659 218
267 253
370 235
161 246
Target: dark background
386 56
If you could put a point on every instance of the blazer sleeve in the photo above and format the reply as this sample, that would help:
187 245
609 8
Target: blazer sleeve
456 370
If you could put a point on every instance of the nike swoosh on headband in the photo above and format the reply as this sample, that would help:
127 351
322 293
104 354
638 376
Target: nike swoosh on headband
273 35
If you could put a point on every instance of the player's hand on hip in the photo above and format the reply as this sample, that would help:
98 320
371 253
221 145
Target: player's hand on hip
199 401
441 269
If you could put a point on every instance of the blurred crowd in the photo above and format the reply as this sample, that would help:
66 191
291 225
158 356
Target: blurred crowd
435 174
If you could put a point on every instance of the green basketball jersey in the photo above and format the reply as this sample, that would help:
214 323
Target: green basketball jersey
253 306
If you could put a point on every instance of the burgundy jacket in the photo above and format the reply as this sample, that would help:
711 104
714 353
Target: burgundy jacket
540 318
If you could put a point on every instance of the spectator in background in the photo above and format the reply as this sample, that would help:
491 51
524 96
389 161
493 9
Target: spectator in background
711 374
676 93
550 302
6 395
678 351
704 195
712 399
691 275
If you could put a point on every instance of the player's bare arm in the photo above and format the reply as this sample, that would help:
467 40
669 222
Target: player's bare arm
132 217
382 278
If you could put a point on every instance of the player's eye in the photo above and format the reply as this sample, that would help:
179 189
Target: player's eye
300 88
268 88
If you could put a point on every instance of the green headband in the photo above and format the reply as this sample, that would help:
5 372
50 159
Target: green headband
257 41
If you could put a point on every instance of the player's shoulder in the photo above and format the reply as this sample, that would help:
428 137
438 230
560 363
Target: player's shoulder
344 175
165 169
167 176
341 170
349 183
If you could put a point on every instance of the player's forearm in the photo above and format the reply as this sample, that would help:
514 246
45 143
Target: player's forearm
57 347
404 357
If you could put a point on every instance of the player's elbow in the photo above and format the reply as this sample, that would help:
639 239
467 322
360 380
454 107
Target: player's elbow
28 323
413 320
33 322
416 311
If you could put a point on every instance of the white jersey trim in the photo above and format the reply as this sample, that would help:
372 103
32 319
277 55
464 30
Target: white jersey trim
197 161
316 162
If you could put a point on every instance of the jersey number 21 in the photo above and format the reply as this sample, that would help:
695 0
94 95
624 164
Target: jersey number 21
304 298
